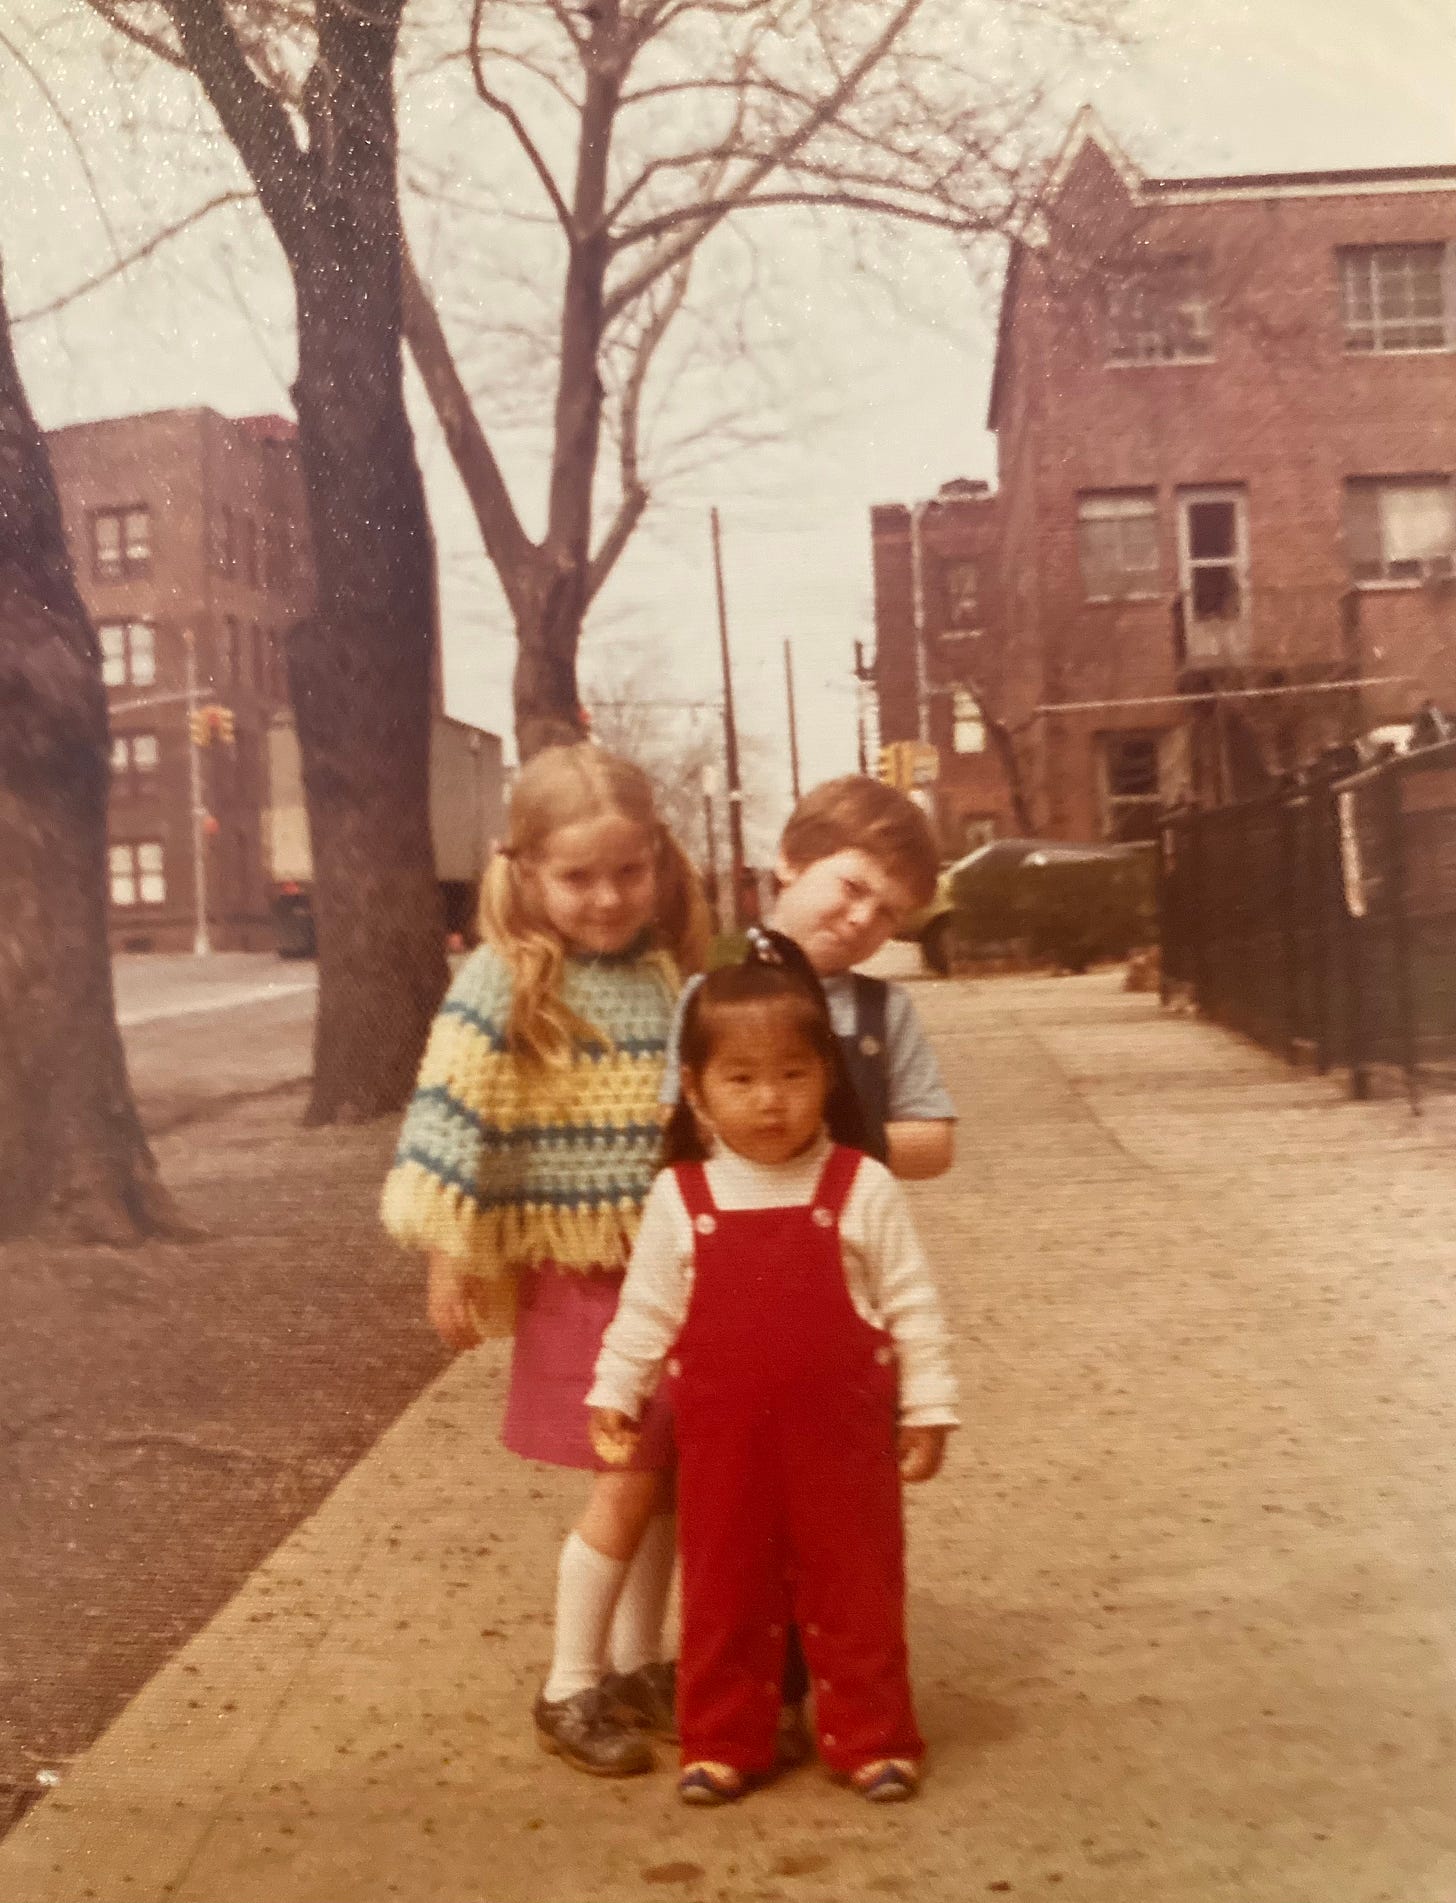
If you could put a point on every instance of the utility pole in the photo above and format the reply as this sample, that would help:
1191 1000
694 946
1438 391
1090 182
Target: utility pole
863 676
793 723
710 849
201 941
734 910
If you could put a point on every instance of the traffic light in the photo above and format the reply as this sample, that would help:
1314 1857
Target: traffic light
888 768
212 722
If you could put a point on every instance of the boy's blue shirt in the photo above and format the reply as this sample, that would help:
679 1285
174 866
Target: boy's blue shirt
917 1093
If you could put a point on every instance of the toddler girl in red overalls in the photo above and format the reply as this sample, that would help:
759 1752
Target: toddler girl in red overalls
778 1287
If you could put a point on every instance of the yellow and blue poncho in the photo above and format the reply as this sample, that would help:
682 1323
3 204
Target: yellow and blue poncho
503 1162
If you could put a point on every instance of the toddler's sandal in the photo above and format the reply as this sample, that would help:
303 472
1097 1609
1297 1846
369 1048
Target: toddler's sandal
708 1783
887 1780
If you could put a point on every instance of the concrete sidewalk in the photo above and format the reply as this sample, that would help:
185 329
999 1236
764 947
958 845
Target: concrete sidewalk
1181 1604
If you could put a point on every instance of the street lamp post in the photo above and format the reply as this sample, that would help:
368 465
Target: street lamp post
201 939
730 742
793 722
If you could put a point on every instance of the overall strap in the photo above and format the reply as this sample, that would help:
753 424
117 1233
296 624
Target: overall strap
836 1179
692 1183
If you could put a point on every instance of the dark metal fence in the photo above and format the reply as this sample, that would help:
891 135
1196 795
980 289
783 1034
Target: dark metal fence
1320 920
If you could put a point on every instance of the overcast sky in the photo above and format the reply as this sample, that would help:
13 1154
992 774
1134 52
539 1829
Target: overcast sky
1228 86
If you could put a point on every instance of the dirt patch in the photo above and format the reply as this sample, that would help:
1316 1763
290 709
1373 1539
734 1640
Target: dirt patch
168 1414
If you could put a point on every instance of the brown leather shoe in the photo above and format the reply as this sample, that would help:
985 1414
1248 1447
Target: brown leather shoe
586 1731
646 1698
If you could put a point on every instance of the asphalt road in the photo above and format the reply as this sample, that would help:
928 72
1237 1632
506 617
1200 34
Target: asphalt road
202 1030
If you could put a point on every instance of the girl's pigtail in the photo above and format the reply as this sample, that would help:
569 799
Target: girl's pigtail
684 923
682 1137
538 1026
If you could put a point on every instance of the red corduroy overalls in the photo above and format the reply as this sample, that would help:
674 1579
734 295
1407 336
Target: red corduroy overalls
785 1406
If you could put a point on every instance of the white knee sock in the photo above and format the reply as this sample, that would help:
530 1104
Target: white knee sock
587 1584
636 1636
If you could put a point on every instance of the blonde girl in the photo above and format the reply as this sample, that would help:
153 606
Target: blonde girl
525 1158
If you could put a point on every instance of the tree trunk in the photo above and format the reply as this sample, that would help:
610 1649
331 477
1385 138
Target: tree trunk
362 671
544 689
73 1157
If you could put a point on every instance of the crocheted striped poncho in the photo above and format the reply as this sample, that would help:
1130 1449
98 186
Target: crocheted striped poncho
503 1162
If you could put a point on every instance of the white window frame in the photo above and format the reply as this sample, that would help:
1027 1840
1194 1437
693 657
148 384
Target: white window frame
1372 328
967 723
1096 508
128 653
1158 311
963 579
1230 639
135 758
1434 560
1114 803
121 542
137 873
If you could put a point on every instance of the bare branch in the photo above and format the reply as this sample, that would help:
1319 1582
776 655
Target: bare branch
793 141
506 542
715 210
252 116
135 256
513 119
42 86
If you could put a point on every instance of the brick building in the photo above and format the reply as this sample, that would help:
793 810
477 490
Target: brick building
186 522
937 658
1225 531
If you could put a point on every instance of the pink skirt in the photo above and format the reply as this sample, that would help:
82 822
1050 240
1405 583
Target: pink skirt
561 1316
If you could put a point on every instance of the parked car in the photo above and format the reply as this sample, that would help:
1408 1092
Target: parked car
1048 900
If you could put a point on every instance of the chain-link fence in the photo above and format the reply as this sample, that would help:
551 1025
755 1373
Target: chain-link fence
1320 920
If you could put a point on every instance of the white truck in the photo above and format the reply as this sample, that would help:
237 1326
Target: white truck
467 804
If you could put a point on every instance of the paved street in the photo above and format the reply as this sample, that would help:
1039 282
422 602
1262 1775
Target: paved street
200 1030
1181 1603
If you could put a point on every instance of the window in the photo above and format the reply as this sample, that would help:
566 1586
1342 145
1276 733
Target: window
226 544
968 723
1130 783
962 597
250 551
1117 541
1213 577
128 653
137 876
1396 297
121 543
1158 312
134 760
277 553
1400 528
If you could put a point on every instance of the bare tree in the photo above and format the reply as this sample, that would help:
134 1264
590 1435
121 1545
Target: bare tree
73 1156
644 128
305 95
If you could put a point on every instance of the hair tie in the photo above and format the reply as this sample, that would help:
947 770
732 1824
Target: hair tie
762 949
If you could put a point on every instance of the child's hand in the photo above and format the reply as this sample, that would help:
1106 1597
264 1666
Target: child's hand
921 1450
449 1312
613 1436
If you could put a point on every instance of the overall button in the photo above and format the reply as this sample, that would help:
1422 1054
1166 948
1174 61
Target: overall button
869 1046
824 1218
674 1367
704 1224
830 1739
884 1356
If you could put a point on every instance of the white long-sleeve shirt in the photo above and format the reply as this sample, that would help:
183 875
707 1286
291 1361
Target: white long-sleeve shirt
885 1271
